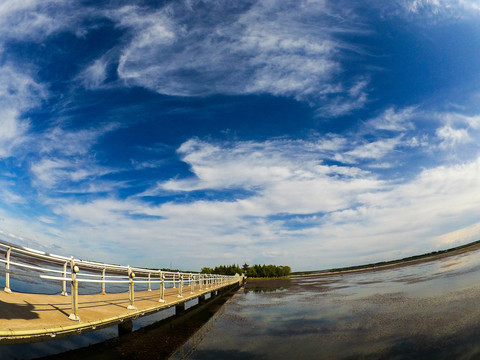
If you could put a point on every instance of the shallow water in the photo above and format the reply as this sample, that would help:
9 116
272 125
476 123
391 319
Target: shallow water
424 311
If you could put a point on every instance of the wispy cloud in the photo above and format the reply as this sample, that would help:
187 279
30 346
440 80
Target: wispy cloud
64 160
94 75
442 7
191 48
34 20
370 150
51 172
18 92
450 137
395 120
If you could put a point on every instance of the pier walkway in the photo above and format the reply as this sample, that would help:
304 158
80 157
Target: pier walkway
29 317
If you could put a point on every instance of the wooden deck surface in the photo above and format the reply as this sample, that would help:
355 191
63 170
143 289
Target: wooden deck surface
34 317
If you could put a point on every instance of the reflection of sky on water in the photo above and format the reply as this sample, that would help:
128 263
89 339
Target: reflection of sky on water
427 310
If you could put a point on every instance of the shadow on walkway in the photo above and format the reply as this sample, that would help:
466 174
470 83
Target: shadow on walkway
17 311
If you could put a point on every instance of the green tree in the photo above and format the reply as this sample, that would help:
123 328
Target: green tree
207 270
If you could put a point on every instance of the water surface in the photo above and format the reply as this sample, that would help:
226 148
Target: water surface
421 311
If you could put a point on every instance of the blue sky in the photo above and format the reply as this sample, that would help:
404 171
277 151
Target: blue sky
311 133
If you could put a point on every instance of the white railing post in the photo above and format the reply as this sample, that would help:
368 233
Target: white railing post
103 283
64 282
74 290
180 287
162 288
174 281
131 289
7 274
200 281
190 283
149 286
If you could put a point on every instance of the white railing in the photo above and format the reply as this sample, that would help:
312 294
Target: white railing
20 261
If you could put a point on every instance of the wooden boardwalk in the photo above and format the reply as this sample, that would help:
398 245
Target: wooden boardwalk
37 317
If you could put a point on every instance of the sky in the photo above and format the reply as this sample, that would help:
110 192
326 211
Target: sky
184 134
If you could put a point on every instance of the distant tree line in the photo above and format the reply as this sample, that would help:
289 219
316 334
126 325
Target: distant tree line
223 270
268 271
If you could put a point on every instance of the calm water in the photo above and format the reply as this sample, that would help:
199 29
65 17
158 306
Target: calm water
429 310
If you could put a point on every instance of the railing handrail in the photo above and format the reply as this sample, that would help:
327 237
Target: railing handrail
88 264
123 274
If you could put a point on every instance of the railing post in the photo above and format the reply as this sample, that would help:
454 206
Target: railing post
131 289
7 274
190 282
180 287
103 283
64 282
162 288
200 280
74 290
149 286
174 281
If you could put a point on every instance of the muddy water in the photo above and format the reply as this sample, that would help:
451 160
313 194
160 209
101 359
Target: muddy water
429 310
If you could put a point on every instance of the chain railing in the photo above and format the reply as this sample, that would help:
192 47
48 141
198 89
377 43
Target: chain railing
24 262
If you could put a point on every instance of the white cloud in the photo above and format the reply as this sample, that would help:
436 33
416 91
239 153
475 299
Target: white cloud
372 150
253 164
450 137
353 98
459 119
18 89
7 196
345 215
18 92
63 160
94 75
189 48
60 142
442 7
12 131
49 172
394 120
34 20
70 176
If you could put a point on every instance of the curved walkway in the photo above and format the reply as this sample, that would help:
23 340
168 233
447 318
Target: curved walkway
36 317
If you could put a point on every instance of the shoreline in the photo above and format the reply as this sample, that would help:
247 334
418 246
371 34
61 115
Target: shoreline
400 263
